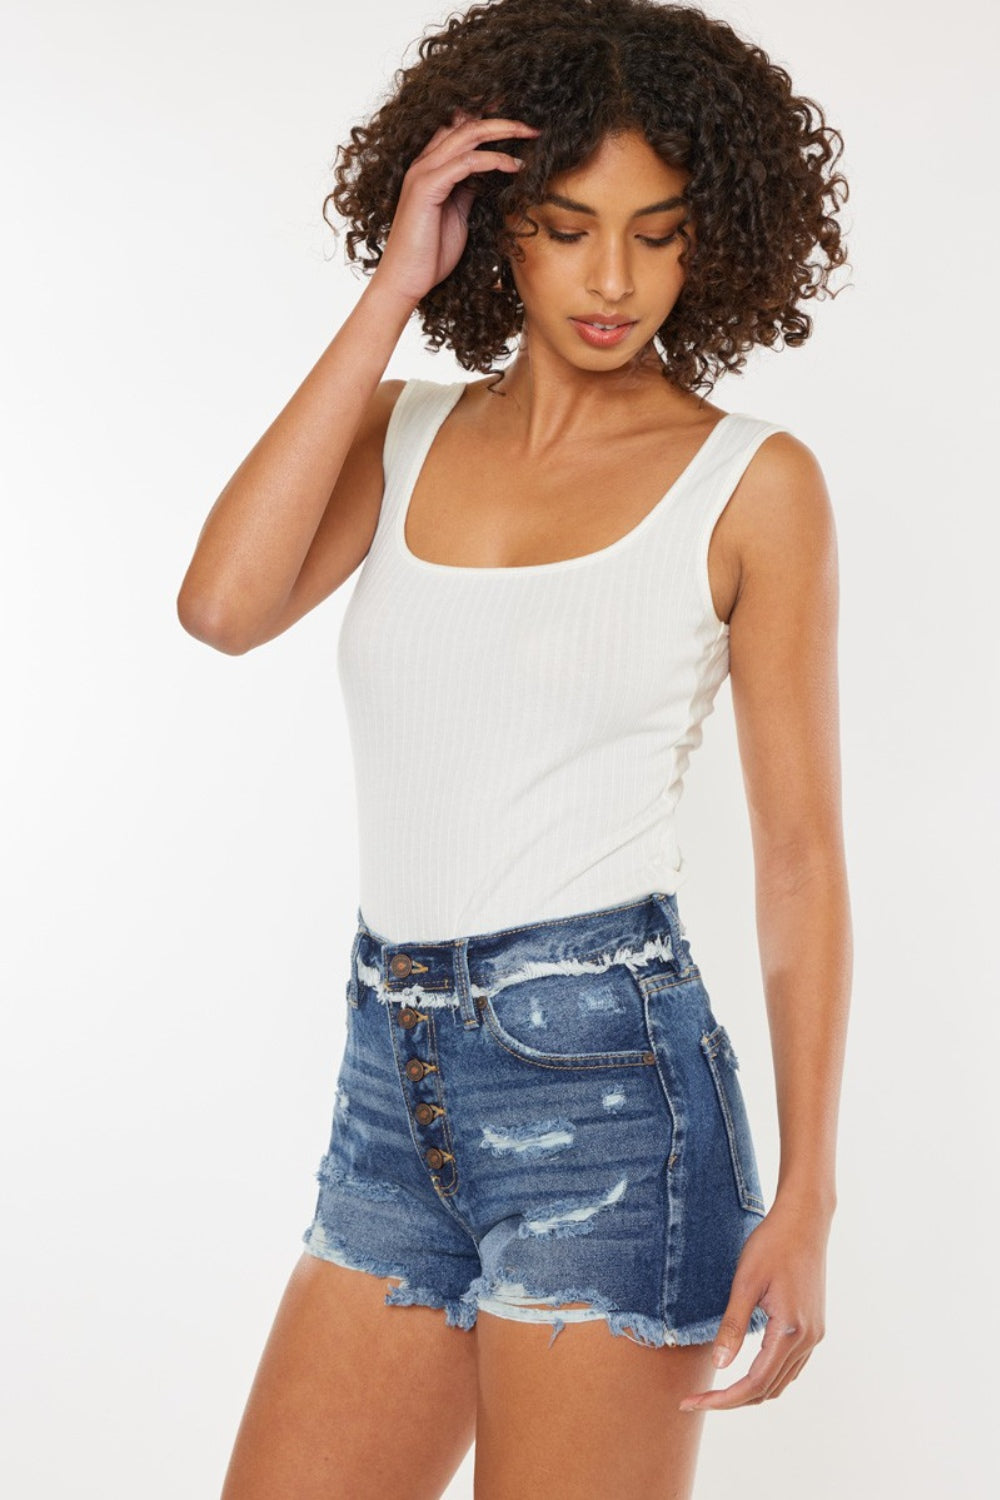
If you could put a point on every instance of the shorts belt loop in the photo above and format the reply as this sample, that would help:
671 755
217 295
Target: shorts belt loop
463 984
353 995
667 902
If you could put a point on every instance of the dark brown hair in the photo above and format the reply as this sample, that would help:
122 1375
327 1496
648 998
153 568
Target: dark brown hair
762 191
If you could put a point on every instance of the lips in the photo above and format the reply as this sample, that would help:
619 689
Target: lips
605 322
603 338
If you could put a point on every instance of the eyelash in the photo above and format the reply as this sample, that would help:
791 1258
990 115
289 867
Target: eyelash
571 239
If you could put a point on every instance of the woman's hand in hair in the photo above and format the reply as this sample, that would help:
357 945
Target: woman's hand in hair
430 225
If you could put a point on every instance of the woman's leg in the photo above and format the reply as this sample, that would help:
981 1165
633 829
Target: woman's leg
354 1400
594 1414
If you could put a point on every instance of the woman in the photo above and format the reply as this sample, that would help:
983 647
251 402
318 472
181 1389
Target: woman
538 1118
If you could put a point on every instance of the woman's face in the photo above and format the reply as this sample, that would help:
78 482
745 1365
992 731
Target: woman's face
606 249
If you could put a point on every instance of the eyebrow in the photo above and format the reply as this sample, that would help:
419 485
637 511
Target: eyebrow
583 208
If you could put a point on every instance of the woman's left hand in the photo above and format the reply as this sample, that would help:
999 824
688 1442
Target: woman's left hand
782 1268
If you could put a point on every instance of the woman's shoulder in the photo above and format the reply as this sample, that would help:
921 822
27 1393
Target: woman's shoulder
781 506
782 461
394 398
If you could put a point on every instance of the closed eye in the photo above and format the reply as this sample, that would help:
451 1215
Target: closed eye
569 239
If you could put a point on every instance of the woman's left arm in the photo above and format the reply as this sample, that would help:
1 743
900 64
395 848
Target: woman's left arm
783 669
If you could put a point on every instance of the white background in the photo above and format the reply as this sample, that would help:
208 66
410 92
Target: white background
179 840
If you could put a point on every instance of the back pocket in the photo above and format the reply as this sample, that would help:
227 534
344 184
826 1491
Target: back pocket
723 1064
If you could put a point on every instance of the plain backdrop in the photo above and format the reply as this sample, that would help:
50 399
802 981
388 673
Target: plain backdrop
179 855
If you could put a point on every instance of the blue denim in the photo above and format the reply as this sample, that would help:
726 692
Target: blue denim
545 1115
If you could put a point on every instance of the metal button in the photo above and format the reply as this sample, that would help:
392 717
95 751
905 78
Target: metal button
400 964
408 1018
649 1057
415 1068
424 1113
435 1158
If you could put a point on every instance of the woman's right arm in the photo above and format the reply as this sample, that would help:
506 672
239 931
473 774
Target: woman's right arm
299 514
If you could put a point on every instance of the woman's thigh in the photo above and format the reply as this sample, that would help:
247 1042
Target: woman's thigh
590 1414
353 1398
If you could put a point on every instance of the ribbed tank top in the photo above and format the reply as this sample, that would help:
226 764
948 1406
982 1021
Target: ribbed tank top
520 735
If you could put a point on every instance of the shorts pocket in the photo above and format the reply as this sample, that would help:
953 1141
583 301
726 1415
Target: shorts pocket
723 1064
568 1020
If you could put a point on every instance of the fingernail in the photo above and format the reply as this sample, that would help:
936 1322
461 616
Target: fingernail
688 1406
720 1356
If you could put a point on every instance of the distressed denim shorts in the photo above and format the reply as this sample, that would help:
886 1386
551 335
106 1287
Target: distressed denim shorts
546 1115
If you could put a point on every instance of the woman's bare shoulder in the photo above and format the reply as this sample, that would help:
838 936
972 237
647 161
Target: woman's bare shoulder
779 527
782 489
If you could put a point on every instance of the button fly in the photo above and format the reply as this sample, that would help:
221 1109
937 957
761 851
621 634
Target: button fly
420 1075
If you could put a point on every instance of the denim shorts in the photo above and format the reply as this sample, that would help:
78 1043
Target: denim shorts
544 1115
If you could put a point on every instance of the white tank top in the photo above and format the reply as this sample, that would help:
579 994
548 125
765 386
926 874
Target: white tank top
520 734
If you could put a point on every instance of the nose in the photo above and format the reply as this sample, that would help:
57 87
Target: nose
610 273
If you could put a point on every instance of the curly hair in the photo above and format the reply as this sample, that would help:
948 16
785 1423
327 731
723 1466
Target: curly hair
762 190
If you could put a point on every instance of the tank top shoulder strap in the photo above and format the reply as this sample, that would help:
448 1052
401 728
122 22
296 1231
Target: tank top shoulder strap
739 437
730 447
419 410
717 471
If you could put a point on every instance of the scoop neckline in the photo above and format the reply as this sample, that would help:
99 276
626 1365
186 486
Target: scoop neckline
560 564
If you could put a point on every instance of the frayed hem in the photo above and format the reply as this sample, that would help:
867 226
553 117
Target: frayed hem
322 1246
640 1328
657 1333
